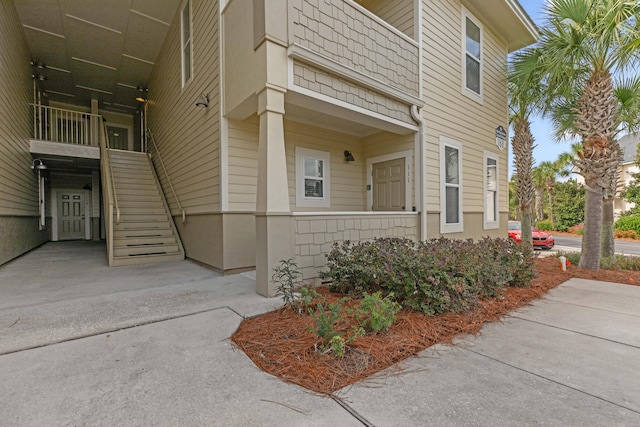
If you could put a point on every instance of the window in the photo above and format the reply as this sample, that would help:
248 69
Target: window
312 178
490 191
186 43
472 59
451 186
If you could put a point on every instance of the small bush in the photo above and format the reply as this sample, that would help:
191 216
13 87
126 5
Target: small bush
628 223
435 276
544 225
376 314
285 276
620 262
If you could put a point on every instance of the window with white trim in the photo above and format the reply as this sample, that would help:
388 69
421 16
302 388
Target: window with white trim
451 186
313 178
490 191
472 56
186 43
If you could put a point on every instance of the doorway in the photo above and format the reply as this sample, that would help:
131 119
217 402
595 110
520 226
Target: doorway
71 218
389 185
120 138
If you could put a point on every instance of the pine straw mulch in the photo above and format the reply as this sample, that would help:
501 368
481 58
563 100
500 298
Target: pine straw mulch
279 343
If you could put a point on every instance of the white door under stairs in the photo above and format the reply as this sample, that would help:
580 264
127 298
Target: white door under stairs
146 232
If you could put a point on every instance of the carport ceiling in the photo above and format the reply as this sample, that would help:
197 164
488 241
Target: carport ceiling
96 48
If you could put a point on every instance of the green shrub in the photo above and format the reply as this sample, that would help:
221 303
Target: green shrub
285 276
435 276
376 314
544 225
628 223
620 262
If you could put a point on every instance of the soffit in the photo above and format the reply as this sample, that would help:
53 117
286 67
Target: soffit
94 48
509 20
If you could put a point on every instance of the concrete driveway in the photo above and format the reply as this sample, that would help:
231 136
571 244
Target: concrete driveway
85 344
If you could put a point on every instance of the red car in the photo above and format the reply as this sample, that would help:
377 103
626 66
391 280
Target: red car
541 239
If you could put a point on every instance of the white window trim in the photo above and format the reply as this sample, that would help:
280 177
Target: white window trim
186 4
384 158
444 227
312 202
479 98
491 225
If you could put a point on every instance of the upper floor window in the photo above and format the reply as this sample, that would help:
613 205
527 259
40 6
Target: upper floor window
186 43
472 60
451 186
312 178
490 191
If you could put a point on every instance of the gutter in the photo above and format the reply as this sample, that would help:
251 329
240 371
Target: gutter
422 200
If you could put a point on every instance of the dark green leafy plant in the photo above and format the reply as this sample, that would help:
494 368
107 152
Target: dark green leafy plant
435 276
285 276
376 313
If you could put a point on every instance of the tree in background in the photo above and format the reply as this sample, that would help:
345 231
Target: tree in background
582 43
568 204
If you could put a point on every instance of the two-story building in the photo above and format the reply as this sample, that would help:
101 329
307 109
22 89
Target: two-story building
274 127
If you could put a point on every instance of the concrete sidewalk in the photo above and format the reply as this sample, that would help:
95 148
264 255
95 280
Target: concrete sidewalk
85 344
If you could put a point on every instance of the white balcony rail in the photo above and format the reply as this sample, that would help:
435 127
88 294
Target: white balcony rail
65 126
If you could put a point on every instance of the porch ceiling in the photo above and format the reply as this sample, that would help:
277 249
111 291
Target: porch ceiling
95 48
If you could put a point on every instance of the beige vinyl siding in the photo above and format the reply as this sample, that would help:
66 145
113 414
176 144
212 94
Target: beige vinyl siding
399 13
188 137
18 185
347 178
450 113
243 163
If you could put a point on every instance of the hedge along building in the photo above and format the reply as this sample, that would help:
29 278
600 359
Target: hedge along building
274 128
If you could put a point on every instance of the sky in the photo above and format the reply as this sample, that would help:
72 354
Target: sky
547 148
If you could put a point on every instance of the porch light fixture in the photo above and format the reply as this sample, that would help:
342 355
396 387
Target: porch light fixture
348 156
203 101
39 76
38 165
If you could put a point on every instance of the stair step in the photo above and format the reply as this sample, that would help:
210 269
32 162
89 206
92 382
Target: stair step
146 259
154 203
142 232
130 217
139 241
145 211
145 250
136 192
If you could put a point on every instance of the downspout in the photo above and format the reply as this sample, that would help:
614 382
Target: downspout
417 116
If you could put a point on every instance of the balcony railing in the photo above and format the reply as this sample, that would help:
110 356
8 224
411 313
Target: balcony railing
65 126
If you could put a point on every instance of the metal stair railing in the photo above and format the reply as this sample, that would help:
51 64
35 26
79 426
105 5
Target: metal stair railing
175 196
109 193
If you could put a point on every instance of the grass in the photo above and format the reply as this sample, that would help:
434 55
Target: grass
617 262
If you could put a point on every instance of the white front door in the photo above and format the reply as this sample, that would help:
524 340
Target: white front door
71 215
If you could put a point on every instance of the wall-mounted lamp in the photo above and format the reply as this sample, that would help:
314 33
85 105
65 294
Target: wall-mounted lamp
348 156
38 165
203 101
39 76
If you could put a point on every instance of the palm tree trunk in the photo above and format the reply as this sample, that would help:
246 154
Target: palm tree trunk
527 238
522 145
590 256
607 239
553 224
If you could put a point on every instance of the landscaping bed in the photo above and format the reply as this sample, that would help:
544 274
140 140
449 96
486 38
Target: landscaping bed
281 343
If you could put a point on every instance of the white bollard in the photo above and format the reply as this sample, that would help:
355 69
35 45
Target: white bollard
563 263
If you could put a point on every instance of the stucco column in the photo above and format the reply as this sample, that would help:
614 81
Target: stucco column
273 222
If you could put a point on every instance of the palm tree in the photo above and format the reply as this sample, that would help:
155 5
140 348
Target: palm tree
582 43
524 100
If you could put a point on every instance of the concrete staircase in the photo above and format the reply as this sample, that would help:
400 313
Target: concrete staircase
146 232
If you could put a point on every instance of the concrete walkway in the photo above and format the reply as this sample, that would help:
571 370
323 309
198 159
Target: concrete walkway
85 344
